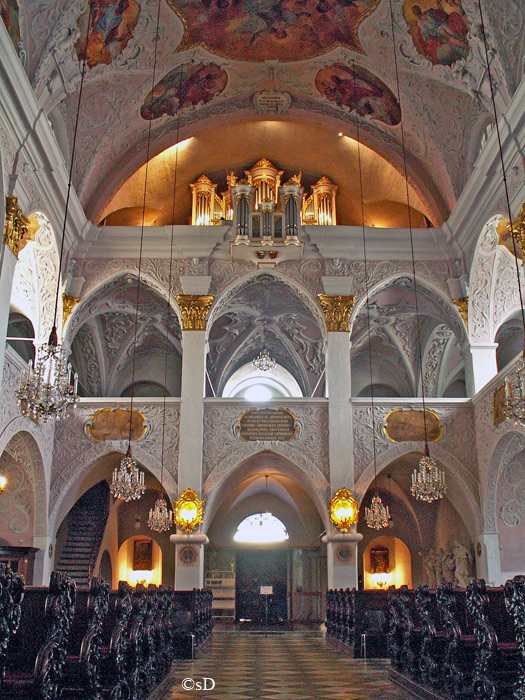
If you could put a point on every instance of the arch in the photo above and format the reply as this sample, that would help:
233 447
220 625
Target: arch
64 491
493 288
35 279
220 303
508 446
436 295
94 294
216 489
23 448
463 495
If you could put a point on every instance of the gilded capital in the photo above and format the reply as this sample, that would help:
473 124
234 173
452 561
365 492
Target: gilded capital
68 302
194 309
337 309
462 305
16 225
518 232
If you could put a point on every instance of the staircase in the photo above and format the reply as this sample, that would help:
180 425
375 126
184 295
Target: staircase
85 527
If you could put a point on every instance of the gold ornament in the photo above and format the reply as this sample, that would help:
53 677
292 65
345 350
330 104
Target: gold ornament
194 309
344 509
337 309
188 511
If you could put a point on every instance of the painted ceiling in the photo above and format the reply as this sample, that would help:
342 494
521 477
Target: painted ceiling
188 67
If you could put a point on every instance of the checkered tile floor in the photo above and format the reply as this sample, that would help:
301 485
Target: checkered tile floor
295 665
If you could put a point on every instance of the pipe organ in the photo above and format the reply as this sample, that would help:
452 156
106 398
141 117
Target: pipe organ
260 206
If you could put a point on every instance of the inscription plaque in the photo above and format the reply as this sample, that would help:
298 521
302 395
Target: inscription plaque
267 424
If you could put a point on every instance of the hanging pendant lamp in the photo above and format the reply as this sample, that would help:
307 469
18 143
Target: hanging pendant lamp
428 482
128 481
264 362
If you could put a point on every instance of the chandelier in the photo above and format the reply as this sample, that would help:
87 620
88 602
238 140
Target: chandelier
264 362
378 515
128 481
3 483
428 482
46 390
160 518
514 406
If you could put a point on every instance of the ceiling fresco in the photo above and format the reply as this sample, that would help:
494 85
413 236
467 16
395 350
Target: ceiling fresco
260 30
214 59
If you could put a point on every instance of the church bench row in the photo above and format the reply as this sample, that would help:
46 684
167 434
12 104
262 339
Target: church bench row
460 643
58 642
350 614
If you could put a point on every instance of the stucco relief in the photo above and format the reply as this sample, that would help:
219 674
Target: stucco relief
16 504
223 450
458 439
511 499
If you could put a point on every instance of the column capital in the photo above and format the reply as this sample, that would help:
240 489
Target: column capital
194 309
337 310
16 225
462 306
68 302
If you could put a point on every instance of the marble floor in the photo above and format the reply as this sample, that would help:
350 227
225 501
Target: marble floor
295 665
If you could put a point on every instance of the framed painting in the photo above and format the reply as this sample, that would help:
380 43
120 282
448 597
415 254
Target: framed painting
142 555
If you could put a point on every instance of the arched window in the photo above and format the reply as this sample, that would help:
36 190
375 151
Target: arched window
261 528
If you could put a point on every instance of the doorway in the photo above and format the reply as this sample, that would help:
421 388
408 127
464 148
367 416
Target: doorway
254 569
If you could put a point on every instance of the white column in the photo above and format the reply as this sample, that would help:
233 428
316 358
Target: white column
194 308
488 563
340 424
44 560
484 365
8 261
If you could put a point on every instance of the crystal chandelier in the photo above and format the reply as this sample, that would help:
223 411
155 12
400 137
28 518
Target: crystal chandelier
378 515
514 406
128 481
46 388
264 362
160 518
428 482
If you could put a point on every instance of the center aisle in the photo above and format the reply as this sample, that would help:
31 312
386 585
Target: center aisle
290 666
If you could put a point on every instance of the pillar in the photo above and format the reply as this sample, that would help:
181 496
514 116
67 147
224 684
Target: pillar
488 564
342 572
15 229
484 365
189 573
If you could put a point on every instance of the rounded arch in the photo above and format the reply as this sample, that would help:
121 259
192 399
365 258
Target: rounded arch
217 489
493 287
371 135
22 447
221 301
508 446
65 490
462 488
35 279
102 287
454 317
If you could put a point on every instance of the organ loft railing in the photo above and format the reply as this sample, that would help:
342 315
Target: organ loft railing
261 207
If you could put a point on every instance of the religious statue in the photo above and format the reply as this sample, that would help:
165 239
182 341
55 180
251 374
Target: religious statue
463 561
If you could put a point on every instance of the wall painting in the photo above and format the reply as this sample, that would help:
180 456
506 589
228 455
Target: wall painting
259 30
186 86
111 28
358 89
439 29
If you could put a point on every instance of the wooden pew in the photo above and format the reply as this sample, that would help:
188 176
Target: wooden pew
114 643
82 671
368 615
36 653
515 604
12 589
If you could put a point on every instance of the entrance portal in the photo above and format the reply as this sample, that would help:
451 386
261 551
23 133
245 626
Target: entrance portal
256 568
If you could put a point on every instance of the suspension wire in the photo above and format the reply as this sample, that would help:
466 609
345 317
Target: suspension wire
53 339
503 170
369 333
153 76
168 300
409 213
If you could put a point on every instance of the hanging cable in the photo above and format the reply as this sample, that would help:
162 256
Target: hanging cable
160 518
377 515
429 483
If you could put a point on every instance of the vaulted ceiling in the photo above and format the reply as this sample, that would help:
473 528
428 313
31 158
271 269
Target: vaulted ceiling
225 64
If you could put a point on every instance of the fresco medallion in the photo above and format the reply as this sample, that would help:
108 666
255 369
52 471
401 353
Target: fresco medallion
190 85
259 30
111 28
358 89
439 29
